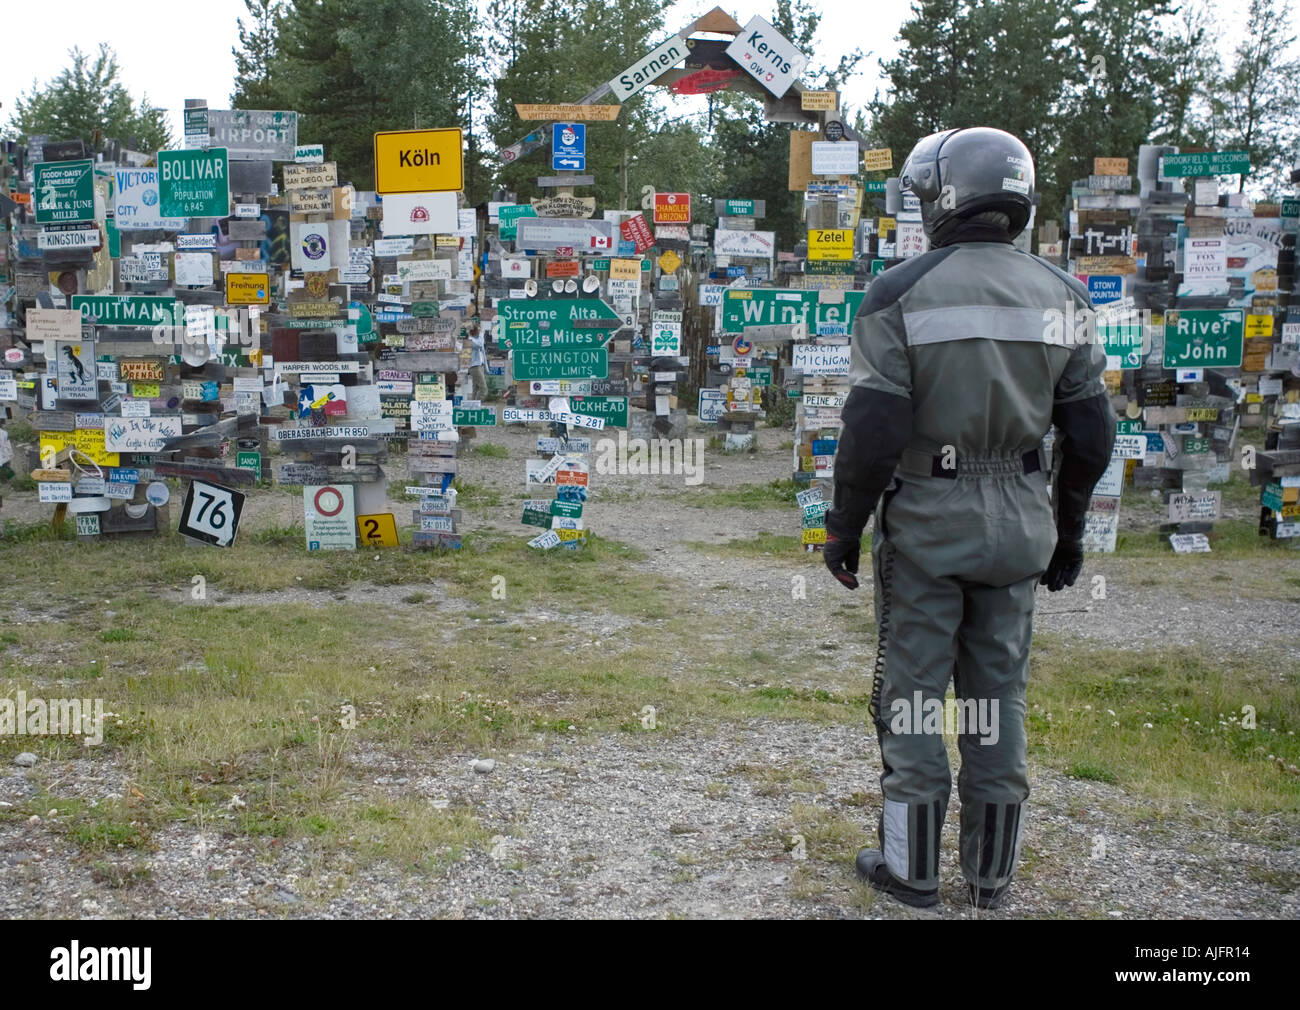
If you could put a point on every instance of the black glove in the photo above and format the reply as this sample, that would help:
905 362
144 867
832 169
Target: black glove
1066 564
841 557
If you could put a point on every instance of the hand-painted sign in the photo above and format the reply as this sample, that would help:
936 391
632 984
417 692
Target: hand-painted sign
568 113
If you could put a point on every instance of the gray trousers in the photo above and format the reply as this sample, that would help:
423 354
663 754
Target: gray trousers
956 563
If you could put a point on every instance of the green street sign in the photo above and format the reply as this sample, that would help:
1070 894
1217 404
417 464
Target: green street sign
64 191
776 307
1291 208
552 363
194 183
422 310
873 187
483 417
603 264
508 218
555 322
1122 341
250 461
1195 338
1177 166
612 408
568 509
740 208
129 310
536 517
1126 427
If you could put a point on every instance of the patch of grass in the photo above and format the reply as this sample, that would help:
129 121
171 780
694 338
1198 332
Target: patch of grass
492 450
41 531
1167 723
1091 772
778 493
1230 538
761 545
471 495
119 876
20 432
117 635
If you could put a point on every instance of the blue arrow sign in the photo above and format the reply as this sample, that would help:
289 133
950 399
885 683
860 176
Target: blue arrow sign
569 147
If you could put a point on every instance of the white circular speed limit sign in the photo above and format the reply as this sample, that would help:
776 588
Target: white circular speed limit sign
211 513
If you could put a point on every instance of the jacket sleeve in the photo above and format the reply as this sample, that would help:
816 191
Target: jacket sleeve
1085 426
877 416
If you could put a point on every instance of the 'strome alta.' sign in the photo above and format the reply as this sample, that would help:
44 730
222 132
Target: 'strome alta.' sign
768 56
663 57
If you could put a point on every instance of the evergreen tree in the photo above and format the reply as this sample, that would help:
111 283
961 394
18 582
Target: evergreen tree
254 56
86 99
1256 103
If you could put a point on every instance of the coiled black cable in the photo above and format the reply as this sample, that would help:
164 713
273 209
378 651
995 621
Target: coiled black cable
882 634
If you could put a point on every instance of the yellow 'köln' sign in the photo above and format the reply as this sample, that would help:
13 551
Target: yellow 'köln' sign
830 244
419 161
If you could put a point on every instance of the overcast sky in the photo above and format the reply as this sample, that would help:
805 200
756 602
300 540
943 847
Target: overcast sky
170 56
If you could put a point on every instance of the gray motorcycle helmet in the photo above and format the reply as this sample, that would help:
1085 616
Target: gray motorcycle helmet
958 173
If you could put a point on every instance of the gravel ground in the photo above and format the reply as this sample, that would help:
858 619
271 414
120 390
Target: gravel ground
628 826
